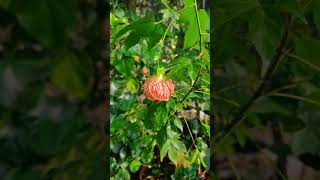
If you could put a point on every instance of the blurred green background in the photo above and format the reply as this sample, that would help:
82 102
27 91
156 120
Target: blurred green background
266 97
53 73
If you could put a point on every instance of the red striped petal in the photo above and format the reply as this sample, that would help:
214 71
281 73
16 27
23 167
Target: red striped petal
158 90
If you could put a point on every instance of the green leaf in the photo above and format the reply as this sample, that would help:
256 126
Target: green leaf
124 66
163 142
195 155
123 153
236 71
226 145
188 15
188 3
15 75
177 123
147 19
204 24
172 146
161 116
178 145
293 7
132 85
264 33
48 137
316 13
164 150
171 133
153 32
161 137
29 98
117 123
181 160
147 115
204 20
241 135
147 153
172 153
180 68
315 97
227 10
123 174
309 112
126 104
267 105
72 74
49 21
135 166
119 12
171 104
144 28
292 124
133 39
308 49
229 45
307 141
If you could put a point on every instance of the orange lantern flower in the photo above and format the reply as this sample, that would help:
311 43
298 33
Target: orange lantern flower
157 88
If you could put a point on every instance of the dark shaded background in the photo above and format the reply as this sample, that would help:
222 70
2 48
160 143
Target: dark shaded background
266 89
53 73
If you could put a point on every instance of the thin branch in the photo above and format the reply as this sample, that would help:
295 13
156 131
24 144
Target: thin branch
313 66
241 113
162 41
200 56
193 141
189 92
289 86
227 101
296 97
198 22
198 75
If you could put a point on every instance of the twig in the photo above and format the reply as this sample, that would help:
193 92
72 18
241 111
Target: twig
185 120
259 91
198 22
313 66
278 141
286 87
189 92
200 56
296 97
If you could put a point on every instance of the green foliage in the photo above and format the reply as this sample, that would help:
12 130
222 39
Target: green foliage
75 81
308 49
143 28
266 75
50 90
48 21
49 138
15 78
265 34
159 132
193 32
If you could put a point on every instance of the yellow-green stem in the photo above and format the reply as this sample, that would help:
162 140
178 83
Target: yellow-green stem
198 22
